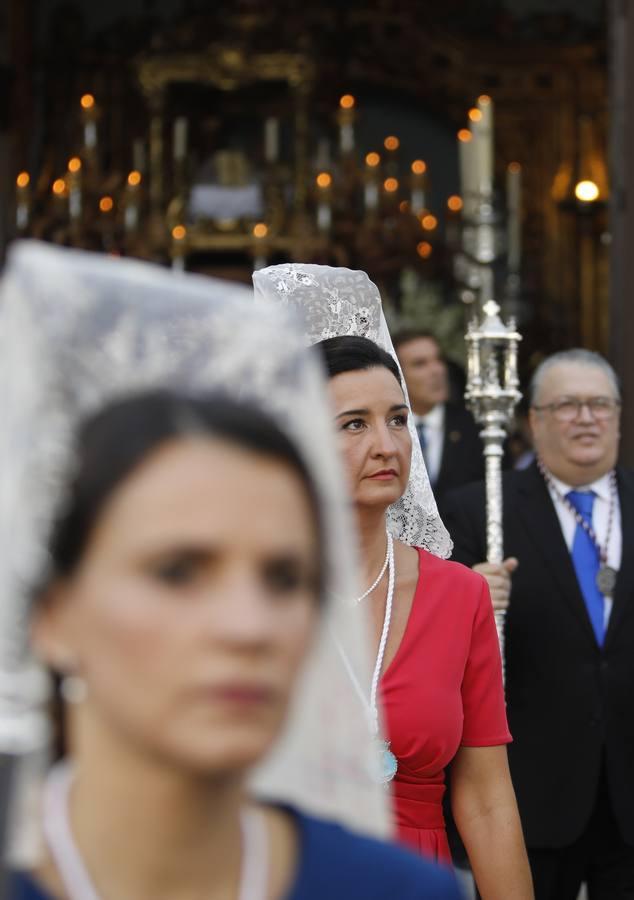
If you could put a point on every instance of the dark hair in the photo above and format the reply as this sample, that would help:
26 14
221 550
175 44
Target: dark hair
413 334
116 440
353 354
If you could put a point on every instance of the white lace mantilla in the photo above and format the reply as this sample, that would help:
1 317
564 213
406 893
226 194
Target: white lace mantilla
79 330
336 301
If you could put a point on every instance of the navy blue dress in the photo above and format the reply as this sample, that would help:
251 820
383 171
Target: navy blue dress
336 864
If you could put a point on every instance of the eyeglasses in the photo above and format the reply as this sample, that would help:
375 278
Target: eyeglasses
568 408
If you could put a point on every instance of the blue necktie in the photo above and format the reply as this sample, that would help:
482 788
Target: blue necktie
585 559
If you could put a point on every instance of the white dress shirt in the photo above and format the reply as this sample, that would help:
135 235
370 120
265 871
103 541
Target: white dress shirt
434 431
600 516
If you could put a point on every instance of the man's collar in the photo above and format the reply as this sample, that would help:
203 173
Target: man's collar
435 418
601 486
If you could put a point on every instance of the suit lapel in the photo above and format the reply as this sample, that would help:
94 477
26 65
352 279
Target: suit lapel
449 446
445 456
539 518
625 581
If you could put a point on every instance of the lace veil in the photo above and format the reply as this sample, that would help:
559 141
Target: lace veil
78 330
338 301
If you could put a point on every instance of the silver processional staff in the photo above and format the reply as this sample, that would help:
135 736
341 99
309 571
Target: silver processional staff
492 393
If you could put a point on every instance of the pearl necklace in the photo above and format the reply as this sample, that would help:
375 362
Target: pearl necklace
70 866
389 763
378 578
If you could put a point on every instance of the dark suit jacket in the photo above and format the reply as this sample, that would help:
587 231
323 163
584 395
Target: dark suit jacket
462 460
570 702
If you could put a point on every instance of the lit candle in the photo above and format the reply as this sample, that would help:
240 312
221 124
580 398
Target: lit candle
60 192
452 221
482 126
131 213
391 144
417 201
513 206
89 117
271 140
23 201
179 139
468 168
260 232
74 189
179 234
371 186
324 211
346 123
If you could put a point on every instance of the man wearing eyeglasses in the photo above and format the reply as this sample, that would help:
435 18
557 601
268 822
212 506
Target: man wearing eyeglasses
569 522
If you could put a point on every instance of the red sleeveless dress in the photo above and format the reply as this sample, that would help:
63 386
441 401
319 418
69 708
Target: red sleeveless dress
442 690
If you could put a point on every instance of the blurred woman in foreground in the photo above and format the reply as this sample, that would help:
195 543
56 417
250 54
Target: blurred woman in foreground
180 541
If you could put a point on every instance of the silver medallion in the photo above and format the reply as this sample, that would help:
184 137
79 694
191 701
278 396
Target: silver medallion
388 762
606 580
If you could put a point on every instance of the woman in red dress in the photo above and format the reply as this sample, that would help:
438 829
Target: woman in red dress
441 679
438 657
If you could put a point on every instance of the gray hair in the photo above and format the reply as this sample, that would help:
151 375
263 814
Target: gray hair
577 355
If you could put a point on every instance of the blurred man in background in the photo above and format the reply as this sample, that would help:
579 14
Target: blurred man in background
447 432
569 521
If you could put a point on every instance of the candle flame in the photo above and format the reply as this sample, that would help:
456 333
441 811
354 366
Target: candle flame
23 180
475 114
465 135
372 160
134 178
347 101
74 164
391 142
424 249
260 230
179 232
391 185
419 167
59 186
106 204
87 101
484 100
324 180
429 222
454 203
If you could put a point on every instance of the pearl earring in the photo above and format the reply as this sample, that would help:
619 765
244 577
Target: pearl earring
73 689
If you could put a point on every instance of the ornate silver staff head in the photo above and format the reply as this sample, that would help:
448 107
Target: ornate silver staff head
492 382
